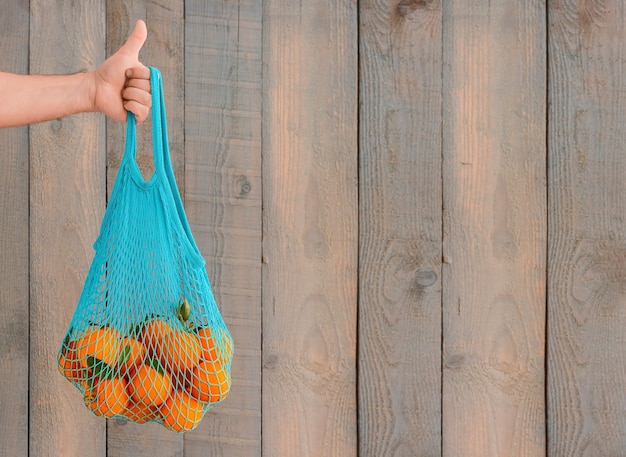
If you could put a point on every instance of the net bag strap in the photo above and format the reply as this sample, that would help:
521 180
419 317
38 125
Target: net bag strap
160 143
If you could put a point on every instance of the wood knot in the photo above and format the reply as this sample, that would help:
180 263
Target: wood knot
425 278
56 125
271 361
406 7
244 185
455 361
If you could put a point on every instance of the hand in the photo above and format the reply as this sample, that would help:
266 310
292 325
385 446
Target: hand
122 83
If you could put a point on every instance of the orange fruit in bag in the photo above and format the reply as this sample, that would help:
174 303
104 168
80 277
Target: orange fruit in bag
210 381
132 354
149 386
102 343
69 364
181 412
180 351
109 397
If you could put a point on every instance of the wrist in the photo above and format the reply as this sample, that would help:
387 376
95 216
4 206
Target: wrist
88 91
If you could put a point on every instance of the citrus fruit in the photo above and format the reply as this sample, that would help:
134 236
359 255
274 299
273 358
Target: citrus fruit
140 413
102 343
180 351
209 350
109 397
152 335
131 355
181 412
69 363
149 386
210 381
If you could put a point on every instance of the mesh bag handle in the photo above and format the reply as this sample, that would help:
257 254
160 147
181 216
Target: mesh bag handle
146 341
163 170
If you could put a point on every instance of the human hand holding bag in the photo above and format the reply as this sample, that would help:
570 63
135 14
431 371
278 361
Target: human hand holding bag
147 341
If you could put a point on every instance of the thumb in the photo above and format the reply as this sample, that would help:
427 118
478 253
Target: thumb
135 40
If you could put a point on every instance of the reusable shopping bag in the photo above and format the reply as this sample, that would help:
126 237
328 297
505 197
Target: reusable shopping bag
147 341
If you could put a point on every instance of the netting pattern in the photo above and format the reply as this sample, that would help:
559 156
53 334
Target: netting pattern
147 341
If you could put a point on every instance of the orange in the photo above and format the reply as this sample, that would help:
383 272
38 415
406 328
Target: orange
69 364
140 413
181 380
101 343
152 335
148 386
132 354
210 381
215 344
181 412
180 351
109 397
209 351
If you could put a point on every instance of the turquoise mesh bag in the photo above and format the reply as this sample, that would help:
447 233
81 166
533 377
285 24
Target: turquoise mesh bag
147 341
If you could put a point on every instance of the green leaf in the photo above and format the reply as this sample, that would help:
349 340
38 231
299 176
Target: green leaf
184 309
124 355
154 363
99 368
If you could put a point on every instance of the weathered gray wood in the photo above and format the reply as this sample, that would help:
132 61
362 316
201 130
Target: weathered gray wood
310 238
494 79
400 229
587 239
223 202
164 49
14 246
67 197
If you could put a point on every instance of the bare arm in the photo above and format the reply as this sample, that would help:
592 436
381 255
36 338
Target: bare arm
121 83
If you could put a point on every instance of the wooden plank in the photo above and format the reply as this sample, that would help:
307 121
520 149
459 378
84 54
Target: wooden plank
400 228
164 49
223 201
310 237
587 239
495 228
67 191
14 245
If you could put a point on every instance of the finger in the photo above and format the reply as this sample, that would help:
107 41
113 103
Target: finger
139 84
138 72
137 95
140 111
135 40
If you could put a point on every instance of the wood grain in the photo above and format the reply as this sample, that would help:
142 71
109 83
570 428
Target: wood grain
67 199
587 209
14 245
310 238
495 226
223 199
163 49
400 228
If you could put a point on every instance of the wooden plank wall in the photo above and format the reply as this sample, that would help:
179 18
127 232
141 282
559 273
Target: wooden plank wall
587 210
400 228
309 228
14 245
495 228
412 213
67 201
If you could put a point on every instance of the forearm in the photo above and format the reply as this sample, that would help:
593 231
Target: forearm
26 99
